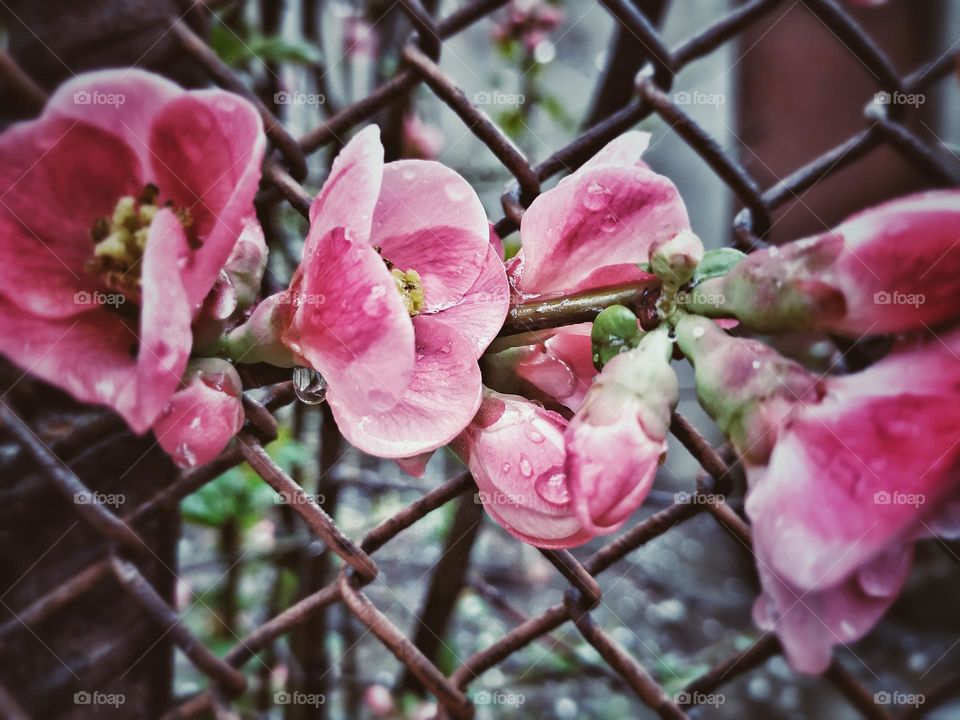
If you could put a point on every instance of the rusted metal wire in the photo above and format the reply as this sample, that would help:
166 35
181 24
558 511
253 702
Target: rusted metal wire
283 173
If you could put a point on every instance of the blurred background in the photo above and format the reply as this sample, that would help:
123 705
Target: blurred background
774 97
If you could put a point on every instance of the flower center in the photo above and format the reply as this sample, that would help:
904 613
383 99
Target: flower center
411 289
120 240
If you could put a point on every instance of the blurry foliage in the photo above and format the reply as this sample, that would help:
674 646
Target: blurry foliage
236 50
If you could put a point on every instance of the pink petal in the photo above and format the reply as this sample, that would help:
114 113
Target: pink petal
203 415
429 219
56 178
603 215
480 314
563 369
514 450
415 465
810 623
625 150
206 148
124 103
349 194
613 275
443 395
351 325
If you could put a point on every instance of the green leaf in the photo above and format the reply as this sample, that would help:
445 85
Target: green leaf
716 263
236 50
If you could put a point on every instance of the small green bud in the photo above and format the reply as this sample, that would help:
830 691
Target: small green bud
675 260
615 330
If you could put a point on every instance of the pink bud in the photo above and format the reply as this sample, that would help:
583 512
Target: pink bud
615 441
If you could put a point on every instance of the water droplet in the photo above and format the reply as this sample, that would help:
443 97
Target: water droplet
373 305
506 467
597 197
408 175
526 469
456 191
534 435
309 385
446 348
756 364
551 486
184 456
698 332
609 223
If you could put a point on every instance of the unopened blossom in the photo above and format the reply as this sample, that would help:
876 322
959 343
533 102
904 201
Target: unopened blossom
615 441
515 452
398 294
121 204
891 268
844 474
203 414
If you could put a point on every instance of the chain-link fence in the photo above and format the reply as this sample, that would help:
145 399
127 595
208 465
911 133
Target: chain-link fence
285 170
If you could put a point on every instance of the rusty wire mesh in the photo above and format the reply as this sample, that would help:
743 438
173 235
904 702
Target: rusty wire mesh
287 168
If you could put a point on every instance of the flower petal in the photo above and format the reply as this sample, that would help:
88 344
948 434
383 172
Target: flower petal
604 215
443 395
56 178
625 150
429 219
206 148
350 324
479 315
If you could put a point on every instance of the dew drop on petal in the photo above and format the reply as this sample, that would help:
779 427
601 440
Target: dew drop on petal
596 197
455 191
526 469
609 223
373 305
698 332
309 385
506 467
551 485
184 456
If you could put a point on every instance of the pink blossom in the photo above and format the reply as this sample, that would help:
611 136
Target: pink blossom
528 21
203 414
121 203
595 227
514 450
402 294
890 268
845 473
421 140
615 441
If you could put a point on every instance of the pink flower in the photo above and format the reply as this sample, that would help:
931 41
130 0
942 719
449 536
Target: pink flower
120 205
598 224
421 140
845 473
891 268
528 21
402 292
514 450
615 441
202 416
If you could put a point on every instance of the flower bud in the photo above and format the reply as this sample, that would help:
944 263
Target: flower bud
615 441
615 330
675 260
